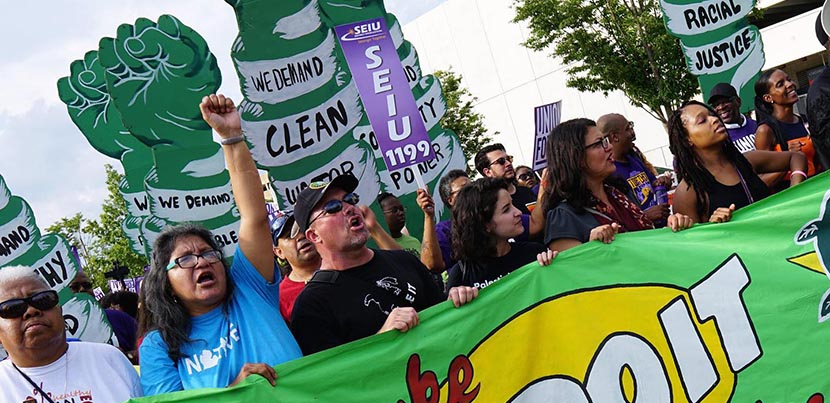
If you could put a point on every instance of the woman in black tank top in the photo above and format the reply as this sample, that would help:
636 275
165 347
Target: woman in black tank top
715 178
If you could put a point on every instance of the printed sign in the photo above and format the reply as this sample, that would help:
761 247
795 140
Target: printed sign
546 117
382 84
54 261
719 44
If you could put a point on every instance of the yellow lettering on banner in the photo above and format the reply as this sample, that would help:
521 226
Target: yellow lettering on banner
620 343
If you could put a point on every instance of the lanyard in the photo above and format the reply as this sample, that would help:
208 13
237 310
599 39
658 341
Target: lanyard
39 390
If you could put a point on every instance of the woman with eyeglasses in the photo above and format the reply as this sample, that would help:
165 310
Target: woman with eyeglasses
212 325
585 203
715 178
41 363
484 221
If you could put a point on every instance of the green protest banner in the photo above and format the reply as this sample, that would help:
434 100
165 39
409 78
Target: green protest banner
49 256
136 99
716 313
302 115
719 43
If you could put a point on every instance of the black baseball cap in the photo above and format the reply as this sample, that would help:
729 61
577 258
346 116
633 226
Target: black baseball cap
821 35
282 224
315 191
724 90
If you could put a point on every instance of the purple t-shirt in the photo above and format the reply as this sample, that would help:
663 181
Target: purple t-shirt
743 134
639 180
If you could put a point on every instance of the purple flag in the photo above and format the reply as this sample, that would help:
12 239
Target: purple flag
387 99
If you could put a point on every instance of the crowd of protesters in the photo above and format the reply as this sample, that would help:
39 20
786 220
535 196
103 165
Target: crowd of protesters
315 283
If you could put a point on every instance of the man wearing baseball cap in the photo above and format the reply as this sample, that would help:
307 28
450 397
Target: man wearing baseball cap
818 97
296 254
358 291
726 102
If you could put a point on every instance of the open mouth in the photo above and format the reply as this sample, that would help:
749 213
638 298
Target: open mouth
303 246
355 222
205 277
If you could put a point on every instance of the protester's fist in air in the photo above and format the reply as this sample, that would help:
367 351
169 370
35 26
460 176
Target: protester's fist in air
221 114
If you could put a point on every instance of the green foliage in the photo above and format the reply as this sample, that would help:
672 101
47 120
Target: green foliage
612 45
460 117
101 242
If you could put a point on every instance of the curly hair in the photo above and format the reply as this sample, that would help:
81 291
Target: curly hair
160 309
566 164
688 164
474 208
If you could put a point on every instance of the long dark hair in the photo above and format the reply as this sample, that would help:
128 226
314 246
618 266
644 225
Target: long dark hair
764 110
566 165
473 210
688 165
160 309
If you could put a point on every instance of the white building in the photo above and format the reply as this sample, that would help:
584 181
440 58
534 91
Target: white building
478 40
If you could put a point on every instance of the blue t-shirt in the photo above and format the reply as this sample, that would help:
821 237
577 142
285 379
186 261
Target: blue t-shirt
252 331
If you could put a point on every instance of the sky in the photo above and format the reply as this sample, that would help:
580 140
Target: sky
44 158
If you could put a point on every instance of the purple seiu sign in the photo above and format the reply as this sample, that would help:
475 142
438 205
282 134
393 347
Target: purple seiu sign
387 99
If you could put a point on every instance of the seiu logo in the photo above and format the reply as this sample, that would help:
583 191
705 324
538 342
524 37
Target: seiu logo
367 28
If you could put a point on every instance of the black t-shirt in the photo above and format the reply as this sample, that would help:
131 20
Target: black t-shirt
486 271
522 197
337 307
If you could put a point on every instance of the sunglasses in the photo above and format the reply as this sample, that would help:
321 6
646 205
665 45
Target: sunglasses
15 308
603 142
503 160
525 177
190 261
335 206
77 287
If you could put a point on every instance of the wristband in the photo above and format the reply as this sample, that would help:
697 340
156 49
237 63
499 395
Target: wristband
232 140
799 173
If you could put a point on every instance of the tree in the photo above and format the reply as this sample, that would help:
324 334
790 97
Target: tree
460 116
613 45
71 230
106 244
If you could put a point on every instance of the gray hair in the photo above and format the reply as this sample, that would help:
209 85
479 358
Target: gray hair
10 274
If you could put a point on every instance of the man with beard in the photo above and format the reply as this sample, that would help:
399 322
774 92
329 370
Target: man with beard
726 102
298 254
492 161
358 291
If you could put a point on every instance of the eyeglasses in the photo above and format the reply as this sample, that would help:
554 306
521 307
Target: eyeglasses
503 160
190 261
77 287
395 210
15 308
603 142
334 206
